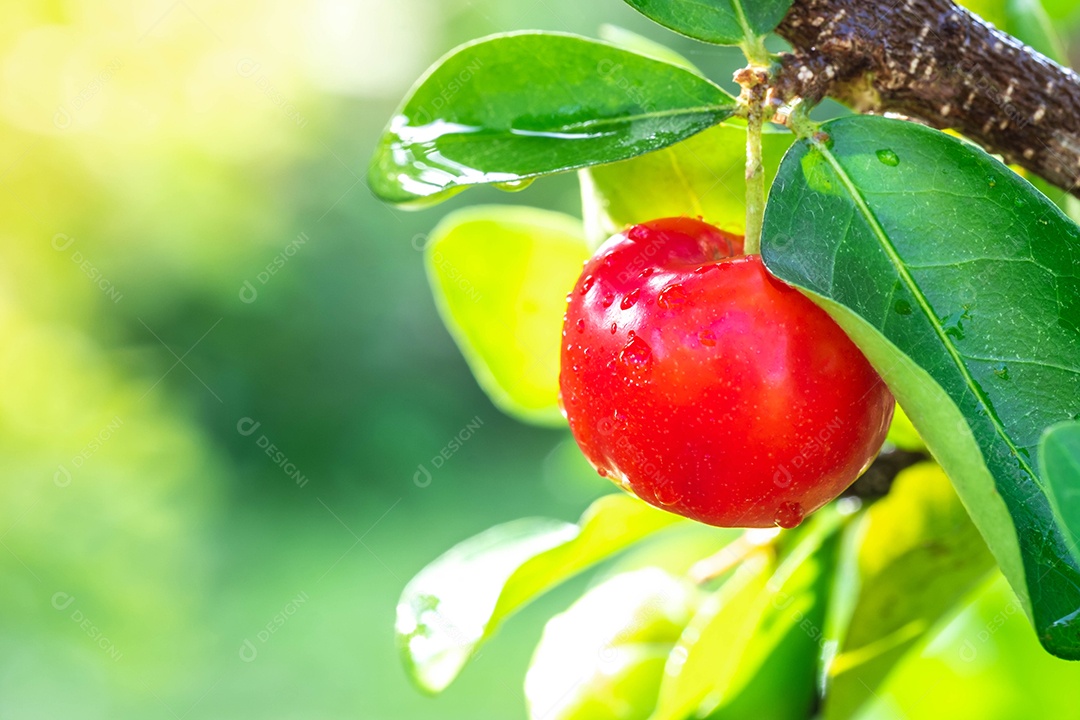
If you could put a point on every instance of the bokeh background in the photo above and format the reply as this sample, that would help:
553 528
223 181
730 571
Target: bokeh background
221 370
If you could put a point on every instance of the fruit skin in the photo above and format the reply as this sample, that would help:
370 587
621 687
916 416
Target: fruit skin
709 388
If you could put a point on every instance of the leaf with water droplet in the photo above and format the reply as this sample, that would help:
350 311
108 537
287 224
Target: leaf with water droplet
490 113
863 250
888 157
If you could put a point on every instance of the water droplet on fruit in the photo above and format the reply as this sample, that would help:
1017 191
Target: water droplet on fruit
666 495
902 307
789 515
706 268
630 299
601 472
888 157
587 284
672 296
707 338
636 355
580 326
607 300
514 185
614 328
646 272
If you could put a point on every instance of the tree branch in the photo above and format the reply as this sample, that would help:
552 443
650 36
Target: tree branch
935 61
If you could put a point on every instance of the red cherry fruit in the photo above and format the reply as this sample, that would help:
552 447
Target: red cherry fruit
709 388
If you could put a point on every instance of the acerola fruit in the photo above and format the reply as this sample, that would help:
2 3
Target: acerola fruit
698 381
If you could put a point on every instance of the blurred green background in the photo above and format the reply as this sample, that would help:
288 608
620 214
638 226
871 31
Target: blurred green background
222 370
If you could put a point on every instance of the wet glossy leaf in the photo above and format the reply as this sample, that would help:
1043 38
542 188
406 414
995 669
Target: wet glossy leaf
1059 454
509 108
703 176
919 555
960 283
604 657
458 601
724 22
507 316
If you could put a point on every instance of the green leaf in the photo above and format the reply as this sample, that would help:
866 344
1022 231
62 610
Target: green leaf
751 649
723 22
700 177
509 108
458 601
500 275
958 280
603 659
1059 455
630 40
919 556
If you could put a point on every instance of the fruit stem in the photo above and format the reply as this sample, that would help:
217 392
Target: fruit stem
754 81
755 185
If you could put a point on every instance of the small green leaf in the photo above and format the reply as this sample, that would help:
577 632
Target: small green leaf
458 601
958 280
723 22
700 177
751 650
1059 455
500 275
603 658
509 108
919 556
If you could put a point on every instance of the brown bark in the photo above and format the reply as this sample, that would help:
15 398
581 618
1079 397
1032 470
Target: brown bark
934 61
